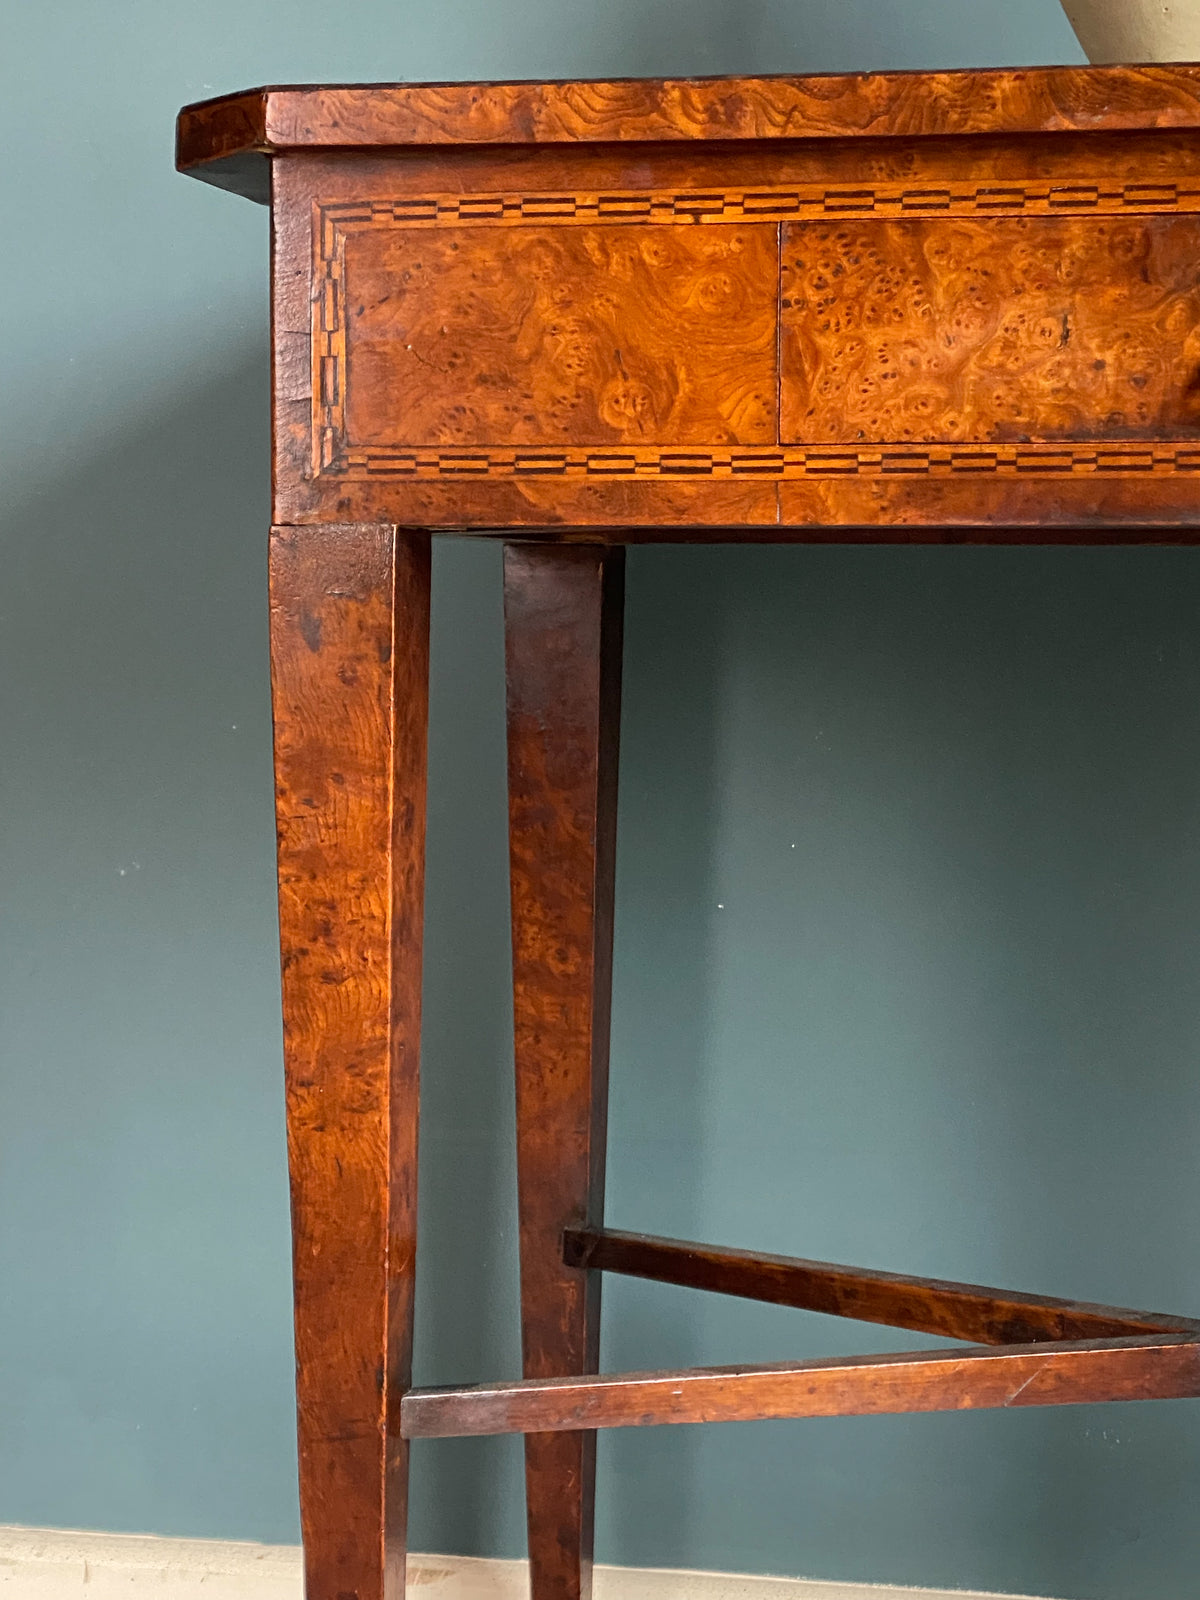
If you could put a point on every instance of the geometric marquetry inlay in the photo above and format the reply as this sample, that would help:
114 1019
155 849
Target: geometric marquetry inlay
992 329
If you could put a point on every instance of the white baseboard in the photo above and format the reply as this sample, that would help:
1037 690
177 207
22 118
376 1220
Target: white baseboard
53 1564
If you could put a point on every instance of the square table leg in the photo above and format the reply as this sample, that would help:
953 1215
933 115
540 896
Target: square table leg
563 616
349 658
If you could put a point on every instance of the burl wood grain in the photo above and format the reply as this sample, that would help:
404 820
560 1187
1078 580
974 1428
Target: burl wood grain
227 140
924 1305
1009 329
554 335
563 621
871 308
1085 437
1145 1368
349 643
1150 501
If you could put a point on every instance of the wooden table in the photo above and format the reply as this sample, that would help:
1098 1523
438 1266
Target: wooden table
900 307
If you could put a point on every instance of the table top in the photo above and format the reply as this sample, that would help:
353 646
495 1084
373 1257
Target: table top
229 141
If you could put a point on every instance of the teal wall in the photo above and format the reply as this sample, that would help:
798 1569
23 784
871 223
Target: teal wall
909 917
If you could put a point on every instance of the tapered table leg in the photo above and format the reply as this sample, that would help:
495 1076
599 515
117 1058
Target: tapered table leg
563 613
349 648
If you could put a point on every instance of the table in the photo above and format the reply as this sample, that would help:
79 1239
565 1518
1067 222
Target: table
948 306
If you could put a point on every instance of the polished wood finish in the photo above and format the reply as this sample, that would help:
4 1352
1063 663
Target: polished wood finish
562 336
991 331
349 653
932 338
228 140
563 616
924 1305
869 308
1146 1368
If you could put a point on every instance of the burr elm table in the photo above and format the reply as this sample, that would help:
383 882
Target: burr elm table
898 307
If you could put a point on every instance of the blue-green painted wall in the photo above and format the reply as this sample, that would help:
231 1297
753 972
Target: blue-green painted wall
909 921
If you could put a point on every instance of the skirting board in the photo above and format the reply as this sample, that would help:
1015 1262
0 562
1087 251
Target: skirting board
51 1564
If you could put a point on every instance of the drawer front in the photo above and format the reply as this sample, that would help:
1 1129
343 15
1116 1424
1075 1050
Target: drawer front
561 336
1008 330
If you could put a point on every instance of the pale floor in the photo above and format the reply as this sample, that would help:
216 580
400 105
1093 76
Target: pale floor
50 1564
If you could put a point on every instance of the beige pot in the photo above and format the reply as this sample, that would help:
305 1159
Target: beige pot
1136 30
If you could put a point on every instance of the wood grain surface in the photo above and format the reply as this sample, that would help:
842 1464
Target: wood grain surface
349 643
561 335
865 308
1146 1368
1004 329
924 1305
228 140
506 366
1141 504
563 613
